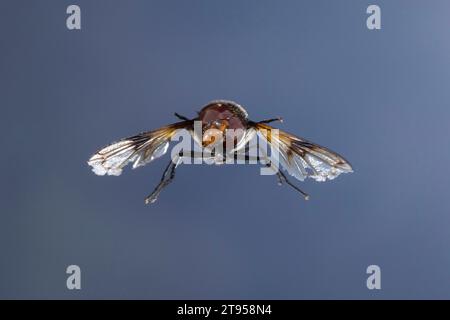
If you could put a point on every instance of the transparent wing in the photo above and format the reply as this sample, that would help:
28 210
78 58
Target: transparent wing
301 158
139 150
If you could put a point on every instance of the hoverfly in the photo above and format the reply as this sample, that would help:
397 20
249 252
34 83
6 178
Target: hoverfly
297 156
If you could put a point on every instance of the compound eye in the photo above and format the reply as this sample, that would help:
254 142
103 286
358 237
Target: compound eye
217 123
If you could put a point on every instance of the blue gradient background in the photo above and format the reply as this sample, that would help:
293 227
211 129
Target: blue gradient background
381 98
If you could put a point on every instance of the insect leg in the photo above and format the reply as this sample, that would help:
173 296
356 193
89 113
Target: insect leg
282 177
181 117
167 177
271 120
279 176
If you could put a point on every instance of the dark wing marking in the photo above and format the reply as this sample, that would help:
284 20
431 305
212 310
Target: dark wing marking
301 158
139 149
